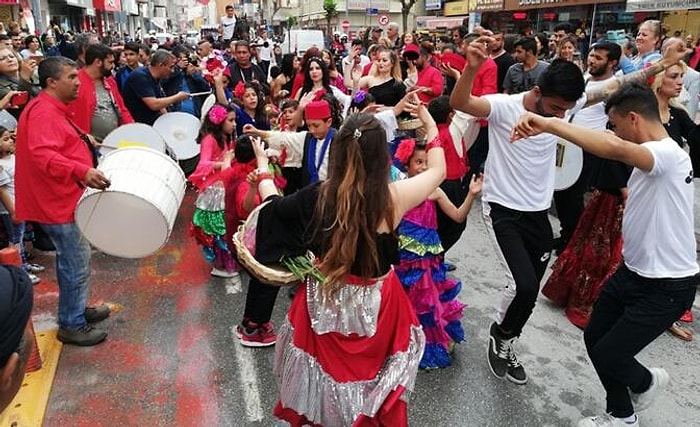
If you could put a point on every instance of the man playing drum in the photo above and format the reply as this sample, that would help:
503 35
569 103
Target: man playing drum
54 164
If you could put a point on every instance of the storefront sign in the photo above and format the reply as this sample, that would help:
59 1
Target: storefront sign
482 5
649 5
382 5
433 22
518 5
108 5
459 8
537 2
433 4
85 4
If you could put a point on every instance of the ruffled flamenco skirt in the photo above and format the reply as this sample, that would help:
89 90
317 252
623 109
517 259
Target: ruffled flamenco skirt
348 359
593 254
208 228
424 278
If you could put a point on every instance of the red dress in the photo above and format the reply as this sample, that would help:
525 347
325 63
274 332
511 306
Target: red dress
592 255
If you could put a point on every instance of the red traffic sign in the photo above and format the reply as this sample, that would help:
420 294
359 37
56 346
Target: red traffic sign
345 24
383 19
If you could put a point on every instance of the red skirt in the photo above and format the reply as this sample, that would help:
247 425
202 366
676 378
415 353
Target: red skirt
348 360
592 255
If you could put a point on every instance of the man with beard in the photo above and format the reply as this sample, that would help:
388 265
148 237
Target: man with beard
423 78
54 165
602 59
502 58
99 108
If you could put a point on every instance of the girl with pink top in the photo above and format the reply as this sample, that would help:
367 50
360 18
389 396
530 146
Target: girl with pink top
216 138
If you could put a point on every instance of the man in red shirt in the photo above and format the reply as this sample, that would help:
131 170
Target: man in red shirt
423 78
54 164
99 108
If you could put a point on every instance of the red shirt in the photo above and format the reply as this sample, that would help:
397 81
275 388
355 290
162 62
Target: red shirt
456 166
486 81
365 70
51 162
84 106
430 77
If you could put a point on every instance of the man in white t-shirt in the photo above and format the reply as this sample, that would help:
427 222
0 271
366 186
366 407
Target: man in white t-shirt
264 52
517 193
227 26
657 282
519 184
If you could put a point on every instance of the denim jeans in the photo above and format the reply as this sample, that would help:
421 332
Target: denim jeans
73 271
630 313
15 233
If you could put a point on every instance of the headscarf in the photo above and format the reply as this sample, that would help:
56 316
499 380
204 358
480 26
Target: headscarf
16 299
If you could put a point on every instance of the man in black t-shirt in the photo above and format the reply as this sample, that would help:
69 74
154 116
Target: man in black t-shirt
502 58
244 70
143 95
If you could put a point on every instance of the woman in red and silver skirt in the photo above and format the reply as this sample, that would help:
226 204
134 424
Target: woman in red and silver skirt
349 350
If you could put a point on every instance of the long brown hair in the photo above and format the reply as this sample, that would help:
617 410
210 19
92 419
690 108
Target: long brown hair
354 201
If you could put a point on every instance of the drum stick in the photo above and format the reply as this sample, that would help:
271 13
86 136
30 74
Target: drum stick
200 93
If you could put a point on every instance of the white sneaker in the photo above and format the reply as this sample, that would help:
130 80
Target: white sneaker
659 381
223 273
607 420
34 278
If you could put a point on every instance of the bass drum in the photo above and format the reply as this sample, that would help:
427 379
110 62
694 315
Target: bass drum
569 164
180 131
134 217
133 135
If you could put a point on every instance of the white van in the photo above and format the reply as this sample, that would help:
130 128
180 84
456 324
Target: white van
300 40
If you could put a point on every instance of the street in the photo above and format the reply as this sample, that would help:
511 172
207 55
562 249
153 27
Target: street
171 358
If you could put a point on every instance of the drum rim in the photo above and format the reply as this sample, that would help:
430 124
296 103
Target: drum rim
151 151
140 127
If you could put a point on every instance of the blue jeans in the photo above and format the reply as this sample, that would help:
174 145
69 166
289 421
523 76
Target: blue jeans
15 233
73 271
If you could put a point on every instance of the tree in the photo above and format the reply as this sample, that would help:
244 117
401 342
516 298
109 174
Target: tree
291 22
406 6
330 6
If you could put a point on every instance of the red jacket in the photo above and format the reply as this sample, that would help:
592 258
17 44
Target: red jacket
84 106
51 163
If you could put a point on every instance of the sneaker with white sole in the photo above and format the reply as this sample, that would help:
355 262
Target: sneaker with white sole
223 273
33 268
253 335
659 381
607 420
498 354
34 278
516 373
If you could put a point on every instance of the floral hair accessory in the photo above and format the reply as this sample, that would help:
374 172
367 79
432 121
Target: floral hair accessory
217 114
239 90
359 96
405 150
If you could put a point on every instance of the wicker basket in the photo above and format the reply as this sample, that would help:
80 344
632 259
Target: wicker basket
271 274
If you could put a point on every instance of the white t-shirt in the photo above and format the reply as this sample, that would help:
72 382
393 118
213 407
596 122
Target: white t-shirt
265 53
658 229
593 117
228 25
7 178
518 175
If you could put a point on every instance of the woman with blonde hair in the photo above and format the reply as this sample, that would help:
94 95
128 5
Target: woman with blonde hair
384 81
667 85
351 344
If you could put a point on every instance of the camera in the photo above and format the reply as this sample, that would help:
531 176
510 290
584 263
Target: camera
193 60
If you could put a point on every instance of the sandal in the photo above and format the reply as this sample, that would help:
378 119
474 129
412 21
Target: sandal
680 332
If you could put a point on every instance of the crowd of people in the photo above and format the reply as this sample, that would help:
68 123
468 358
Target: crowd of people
369 154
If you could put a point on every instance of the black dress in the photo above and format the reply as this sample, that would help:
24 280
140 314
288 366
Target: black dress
388 93
683 130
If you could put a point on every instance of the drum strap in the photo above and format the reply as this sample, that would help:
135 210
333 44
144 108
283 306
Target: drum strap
86 140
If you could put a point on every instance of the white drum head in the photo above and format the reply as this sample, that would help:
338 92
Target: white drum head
179 130
129 226
206 106
569 163
133 135
7 120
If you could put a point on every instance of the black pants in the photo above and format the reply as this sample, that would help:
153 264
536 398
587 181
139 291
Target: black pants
630 313
478 152
259 301
449 230
525 242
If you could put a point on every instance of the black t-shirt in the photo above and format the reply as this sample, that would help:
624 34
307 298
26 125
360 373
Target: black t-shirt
139 85
503 63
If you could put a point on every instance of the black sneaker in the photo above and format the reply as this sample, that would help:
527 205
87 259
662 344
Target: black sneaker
450 267
498 352
85 336
97 314
516 373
